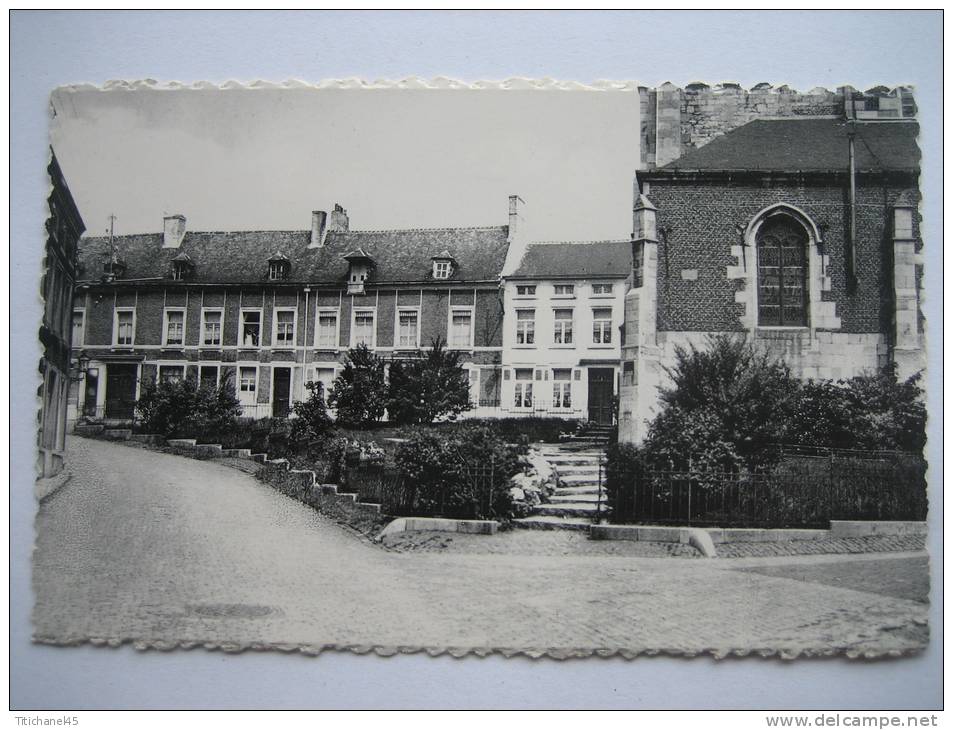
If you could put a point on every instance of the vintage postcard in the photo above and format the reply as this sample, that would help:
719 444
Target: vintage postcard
526 368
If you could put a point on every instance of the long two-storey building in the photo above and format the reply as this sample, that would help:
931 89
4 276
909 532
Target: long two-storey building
271 310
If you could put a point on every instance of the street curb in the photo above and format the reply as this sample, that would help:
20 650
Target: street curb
694 536
438 524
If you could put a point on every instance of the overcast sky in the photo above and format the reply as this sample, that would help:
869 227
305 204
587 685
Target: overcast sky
265 158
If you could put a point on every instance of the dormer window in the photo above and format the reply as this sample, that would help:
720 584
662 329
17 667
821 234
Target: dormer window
278 267
443 265
358 270
113 269
181 267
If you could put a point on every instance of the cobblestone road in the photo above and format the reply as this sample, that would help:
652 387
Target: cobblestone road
157 548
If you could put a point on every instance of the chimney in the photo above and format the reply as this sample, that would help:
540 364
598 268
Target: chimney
515 217
173 231
515 241
339 221
319 221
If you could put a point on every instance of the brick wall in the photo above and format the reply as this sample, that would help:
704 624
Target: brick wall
703 220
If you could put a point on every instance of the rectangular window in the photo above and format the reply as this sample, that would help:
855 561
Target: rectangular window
461 328
276 270
125 327
562 388
363 327
208 377
211 328
407 328
523 388
526 291
251 328
328 328
525 326
602 326
441 269
247 380
79 327
562 328
489 387
599 290
325 376
564 290
174 327
285 327
171 373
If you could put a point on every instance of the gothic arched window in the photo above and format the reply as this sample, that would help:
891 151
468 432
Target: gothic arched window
782 273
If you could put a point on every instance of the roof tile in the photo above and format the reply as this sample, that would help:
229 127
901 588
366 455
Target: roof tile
807 145
242 256
576 260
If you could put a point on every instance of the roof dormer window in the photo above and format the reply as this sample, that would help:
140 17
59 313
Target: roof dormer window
181 267
443 265
113 269
359 268
278 267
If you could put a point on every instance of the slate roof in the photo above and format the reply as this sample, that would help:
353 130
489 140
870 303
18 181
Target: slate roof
806 145
611 259
242 256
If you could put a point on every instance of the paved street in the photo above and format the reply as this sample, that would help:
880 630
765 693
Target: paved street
152 547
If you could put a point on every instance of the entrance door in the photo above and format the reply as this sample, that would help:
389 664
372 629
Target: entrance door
121 390
92 391
281 397
601 391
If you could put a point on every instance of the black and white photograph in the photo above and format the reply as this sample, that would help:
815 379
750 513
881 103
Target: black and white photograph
531 368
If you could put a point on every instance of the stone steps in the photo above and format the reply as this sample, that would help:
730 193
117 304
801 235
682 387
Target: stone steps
568 491
566 509
577 498
577 480
543 522
578 469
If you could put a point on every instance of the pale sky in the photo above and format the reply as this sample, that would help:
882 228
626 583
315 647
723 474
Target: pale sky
265 158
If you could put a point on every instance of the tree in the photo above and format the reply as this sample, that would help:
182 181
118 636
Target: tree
433 386
359 393
312 422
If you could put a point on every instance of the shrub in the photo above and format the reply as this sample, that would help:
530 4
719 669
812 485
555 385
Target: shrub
433 386
359 393
461 473
311 423
865 412
181 408
523 430
725 407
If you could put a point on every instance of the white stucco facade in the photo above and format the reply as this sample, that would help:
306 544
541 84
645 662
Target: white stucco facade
561 345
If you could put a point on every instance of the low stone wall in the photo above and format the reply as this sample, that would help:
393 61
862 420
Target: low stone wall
706 539
440 524
858 528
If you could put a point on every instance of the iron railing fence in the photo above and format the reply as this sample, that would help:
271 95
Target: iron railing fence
802 490
398 494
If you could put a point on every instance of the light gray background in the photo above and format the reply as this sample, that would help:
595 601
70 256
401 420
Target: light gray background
802 49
